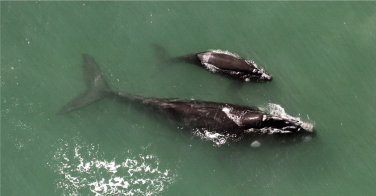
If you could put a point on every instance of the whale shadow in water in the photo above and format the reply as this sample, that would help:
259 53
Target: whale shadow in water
223 118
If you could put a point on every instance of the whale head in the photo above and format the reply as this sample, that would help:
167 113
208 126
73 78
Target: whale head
274 125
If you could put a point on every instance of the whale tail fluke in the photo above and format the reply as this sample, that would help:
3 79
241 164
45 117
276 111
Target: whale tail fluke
97 87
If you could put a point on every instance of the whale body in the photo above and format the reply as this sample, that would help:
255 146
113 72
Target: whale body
229 64
193 114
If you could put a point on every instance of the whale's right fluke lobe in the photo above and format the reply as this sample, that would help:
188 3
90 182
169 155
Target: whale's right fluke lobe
97 87
92 74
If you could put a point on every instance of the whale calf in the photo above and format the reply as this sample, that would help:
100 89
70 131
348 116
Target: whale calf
192 114
228 64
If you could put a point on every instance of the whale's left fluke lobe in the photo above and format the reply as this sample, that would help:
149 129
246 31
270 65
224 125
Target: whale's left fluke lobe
97 87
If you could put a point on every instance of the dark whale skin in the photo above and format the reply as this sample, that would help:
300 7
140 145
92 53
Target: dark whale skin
218 61
231 65
226 62
193 114
219 117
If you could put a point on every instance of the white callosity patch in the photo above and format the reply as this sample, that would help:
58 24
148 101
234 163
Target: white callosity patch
265 130
82 167
205 61
234 117
264 75
206 57
273 131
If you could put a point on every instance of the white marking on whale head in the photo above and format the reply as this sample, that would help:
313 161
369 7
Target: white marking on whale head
206 57
235 118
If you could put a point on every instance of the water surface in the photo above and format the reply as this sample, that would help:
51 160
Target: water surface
321 55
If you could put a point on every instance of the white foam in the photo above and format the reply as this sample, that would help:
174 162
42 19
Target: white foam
206 57
277 110
234 55
82 167
251 63
307 126
264 75
210 67
225 52
217 138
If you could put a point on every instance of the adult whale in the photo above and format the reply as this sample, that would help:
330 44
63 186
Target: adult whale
193 114
223 62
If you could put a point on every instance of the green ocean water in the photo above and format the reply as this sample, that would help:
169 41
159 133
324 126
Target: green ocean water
321 54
